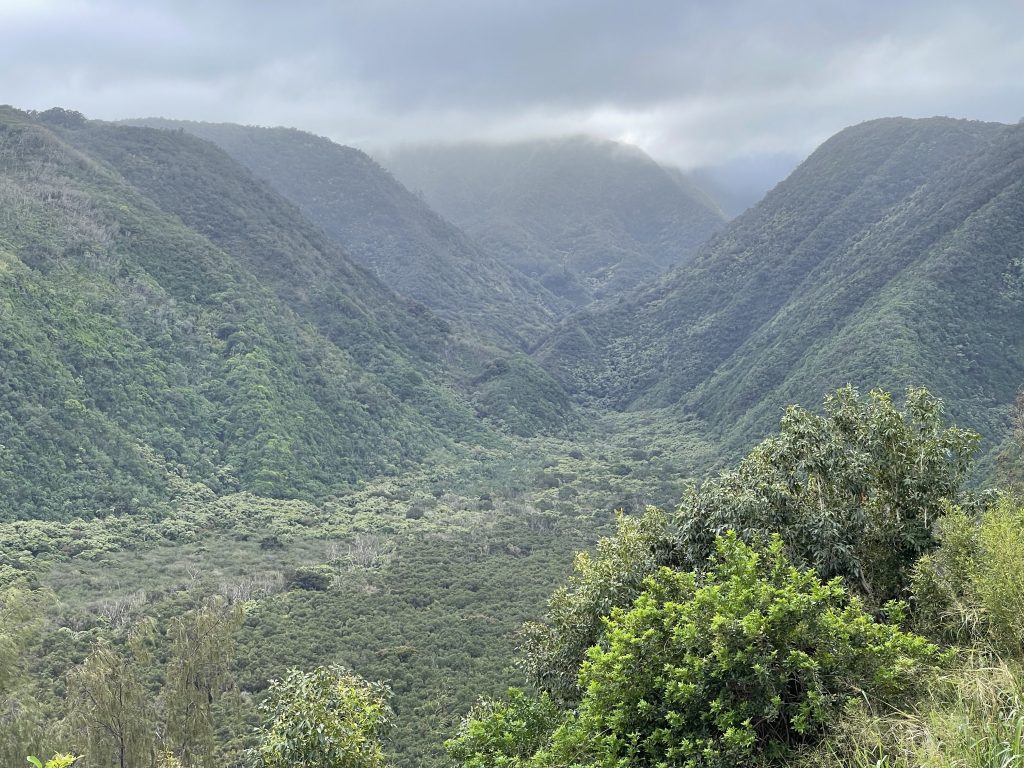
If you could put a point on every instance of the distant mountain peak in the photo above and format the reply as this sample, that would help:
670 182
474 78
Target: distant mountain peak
588 217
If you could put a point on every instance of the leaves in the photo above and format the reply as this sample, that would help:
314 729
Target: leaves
326 718
854 492
744 662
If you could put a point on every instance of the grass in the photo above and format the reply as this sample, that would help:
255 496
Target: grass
969 717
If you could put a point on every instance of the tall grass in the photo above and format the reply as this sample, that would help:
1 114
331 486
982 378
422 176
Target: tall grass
971 717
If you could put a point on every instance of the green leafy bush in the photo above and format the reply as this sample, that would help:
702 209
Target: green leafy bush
327 718
504 734
315 578
735 667
972 587
854 492
554 649
57 761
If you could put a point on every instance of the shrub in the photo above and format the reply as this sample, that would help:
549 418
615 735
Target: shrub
554 650
310 577
972 587
854 492
735 667
504 734
327 718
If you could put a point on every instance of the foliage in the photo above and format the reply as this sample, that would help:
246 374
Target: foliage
57 761
23 721
554 649
152 691
326 718
735 667
189 323
971 589
854 492
504 734
112 711
19 620
970 717
193 371
201 646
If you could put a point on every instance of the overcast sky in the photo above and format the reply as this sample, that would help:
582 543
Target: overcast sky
693 82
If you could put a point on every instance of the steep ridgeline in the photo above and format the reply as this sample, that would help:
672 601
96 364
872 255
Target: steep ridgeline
589 218
892 256
156 324
387 229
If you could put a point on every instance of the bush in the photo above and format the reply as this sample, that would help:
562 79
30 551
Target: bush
972 587
554 650
504 734
971 717
327 718
310 577
735 667
854 492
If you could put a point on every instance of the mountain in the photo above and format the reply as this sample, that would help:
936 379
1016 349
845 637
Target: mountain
588 218
387 229
166 314
891 257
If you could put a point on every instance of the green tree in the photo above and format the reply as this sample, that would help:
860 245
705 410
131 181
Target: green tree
733 667
552 650
504 734
23 722
18 618
111 709
327 718
854 492
202 649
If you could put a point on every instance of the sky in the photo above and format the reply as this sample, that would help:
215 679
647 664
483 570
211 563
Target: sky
693 82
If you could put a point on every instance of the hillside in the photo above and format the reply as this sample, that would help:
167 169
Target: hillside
890 257
157 324
588 218
387 229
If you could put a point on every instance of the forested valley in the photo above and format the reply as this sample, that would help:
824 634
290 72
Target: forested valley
513 455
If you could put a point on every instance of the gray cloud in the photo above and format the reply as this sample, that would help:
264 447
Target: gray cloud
692 82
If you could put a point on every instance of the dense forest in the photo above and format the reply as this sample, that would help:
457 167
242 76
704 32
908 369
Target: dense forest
547 465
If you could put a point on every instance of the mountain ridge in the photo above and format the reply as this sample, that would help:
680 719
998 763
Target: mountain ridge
730 335
386 228
152 350
589 218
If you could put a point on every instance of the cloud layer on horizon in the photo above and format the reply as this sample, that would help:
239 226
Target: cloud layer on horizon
691 82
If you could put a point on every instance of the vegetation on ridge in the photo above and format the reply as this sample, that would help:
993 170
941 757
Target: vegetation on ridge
589 219
891 257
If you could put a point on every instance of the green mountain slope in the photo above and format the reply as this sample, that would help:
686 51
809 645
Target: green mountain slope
892 256
387 229
588 218
173 328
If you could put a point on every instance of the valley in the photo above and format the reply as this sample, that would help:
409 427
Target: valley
368 417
